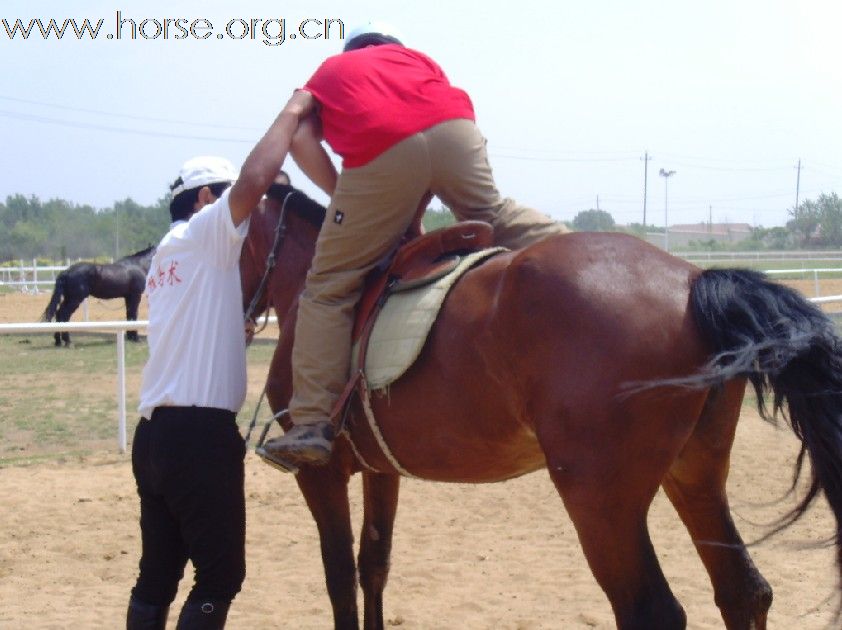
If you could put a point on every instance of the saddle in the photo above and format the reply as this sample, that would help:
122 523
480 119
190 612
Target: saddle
421 261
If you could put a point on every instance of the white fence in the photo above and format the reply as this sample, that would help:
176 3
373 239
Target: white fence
27 278
119 328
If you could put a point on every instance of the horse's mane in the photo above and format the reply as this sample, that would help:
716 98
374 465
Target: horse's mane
308 209
140 254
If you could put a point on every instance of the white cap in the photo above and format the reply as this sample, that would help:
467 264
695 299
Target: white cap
375 27
203 170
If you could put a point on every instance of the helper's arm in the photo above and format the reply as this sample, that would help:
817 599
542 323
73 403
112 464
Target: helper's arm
267 156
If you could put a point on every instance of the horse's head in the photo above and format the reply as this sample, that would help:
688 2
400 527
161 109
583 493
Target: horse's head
293 246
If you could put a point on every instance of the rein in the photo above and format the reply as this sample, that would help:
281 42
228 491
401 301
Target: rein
280 232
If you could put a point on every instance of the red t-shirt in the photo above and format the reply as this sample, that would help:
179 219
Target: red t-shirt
374 97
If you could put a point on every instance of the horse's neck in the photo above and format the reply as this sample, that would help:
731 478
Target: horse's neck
295 258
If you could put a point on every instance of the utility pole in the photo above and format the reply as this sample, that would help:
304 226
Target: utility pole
797 187
597 202
646 159
666 175
710 219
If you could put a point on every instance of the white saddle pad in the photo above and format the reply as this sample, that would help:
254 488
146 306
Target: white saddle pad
405 321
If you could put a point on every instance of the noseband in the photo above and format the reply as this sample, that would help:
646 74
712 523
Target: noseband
271 259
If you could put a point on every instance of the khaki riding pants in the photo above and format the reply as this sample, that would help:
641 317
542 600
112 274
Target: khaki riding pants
372 207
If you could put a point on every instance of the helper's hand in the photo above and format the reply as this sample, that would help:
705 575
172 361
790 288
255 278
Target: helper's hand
250 328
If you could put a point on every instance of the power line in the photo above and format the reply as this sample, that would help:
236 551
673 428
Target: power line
138 132
729 168
784 163
100 112
556 159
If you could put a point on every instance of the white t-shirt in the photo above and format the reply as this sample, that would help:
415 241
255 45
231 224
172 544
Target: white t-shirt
197 347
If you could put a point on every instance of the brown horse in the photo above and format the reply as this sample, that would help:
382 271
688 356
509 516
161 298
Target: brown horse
615 366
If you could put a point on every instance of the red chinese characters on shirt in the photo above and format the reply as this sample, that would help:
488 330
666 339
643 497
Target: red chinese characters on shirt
160 278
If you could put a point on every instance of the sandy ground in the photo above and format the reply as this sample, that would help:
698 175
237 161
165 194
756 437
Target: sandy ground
493 556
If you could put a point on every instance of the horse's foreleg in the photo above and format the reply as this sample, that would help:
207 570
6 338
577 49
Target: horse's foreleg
326 491
696 486
381 503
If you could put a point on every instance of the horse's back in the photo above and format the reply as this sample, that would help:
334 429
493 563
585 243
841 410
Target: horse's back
118 280
534 337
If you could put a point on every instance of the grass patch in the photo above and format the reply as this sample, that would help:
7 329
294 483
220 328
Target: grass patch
61 403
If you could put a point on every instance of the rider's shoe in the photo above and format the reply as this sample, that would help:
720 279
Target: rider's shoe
304 444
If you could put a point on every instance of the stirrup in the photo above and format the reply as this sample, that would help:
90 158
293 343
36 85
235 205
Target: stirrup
276 462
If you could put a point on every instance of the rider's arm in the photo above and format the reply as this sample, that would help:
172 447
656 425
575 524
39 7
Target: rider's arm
264 161
310 155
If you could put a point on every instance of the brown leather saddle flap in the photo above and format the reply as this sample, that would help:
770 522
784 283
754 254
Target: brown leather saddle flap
422 260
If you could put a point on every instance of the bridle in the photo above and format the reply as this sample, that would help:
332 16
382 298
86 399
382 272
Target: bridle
271 259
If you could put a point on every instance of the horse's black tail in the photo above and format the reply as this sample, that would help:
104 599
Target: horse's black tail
787 347
58 292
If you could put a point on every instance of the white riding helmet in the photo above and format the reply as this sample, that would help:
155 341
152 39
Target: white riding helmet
372 33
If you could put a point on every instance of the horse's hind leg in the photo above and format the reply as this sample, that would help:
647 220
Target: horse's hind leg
381 503
326 491
132 304
607 471
64 313
696 486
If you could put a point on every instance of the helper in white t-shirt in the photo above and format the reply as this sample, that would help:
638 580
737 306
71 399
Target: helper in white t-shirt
197 345
187 454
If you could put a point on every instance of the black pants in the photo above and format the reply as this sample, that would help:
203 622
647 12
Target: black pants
188 464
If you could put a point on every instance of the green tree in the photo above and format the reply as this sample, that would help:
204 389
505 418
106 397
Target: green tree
594 221
830 219
59 230
435 219
805 220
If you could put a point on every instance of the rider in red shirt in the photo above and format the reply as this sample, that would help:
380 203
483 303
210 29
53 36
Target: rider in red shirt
404 133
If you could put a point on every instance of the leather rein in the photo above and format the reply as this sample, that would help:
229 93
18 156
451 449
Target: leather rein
271 259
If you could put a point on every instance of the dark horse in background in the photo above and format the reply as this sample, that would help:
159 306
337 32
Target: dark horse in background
607 362
125 278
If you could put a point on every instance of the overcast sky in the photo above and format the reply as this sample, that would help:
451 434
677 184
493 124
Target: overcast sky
730 95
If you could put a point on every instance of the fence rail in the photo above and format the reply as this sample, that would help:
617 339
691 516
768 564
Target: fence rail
26 277
119 329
